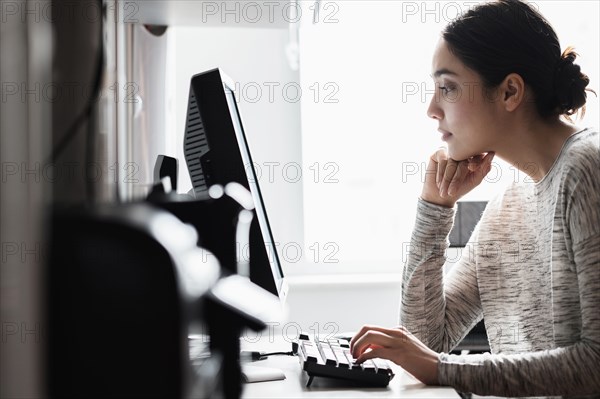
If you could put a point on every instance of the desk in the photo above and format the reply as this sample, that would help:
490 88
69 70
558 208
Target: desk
294 386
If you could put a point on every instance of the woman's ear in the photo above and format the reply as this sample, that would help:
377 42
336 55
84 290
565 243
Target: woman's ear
512 91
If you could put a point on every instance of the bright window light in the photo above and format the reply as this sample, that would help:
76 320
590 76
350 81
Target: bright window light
365 132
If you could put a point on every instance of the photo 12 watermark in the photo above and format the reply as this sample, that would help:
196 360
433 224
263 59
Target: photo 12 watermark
68 92
55 172
509 332
426 92
21 332
14 252
290 332
68 12
289 252
289 92
509 251
439 11
267 12
411 171
293 172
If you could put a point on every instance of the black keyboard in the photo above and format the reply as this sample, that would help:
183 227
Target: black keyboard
332 358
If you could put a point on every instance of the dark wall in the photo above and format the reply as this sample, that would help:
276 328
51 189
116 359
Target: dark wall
77 28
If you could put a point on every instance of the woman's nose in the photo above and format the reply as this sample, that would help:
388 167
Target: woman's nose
434 111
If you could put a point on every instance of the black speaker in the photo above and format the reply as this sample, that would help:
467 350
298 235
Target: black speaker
120 301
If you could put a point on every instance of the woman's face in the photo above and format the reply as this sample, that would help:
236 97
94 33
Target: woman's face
468 118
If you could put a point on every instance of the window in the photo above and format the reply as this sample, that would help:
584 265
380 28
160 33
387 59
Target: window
365 133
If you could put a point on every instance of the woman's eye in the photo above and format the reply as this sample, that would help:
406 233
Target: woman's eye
446 89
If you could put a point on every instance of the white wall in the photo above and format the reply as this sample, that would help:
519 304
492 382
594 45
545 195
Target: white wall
348 301
343 303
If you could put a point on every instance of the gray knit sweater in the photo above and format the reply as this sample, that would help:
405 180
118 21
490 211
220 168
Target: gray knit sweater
531 270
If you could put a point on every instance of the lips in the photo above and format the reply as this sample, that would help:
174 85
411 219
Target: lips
445 134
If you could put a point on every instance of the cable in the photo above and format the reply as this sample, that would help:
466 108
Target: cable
290 353
256 355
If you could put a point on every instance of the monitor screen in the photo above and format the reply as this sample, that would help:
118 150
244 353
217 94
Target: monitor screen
217 152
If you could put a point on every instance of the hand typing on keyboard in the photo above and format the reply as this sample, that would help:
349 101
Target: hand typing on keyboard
331 358
399 346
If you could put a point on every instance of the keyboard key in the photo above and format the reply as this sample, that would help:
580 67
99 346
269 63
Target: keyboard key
352 361
382 366
349 356
341 358
312 353
369 366
328 355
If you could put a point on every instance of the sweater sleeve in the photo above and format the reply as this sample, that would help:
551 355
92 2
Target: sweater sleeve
439 311
570 370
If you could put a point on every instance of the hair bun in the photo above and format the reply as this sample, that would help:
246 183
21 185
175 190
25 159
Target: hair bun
569 83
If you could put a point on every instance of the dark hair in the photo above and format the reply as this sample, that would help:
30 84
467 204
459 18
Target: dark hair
509 36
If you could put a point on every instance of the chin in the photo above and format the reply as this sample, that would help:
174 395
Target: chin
458 155
461 154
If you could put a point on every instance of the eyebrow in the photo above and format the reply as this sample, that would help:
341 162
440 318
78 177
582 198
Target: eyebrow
443 71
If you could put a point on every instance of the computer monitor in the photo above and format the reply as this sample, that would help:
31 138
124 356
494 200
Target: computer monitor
216 152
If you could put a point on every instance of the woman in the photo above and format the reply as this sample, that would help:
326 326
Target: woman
533 271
